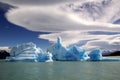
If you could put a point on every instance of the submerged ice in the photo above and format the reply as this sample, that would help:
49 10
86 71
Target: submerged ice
29 52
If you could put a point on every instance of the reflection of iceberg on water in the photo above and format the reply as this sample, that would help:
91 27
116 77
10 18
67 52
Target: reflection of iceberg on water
29 52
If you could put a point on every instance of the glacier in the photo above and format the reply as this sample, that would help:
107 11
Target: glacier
56 52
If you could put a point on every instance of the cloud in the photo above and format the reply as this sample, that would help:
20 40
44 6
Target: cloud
52 19
4 48
115 40
46 19
65 16
95 10
90 41
72 24
34 2
111 42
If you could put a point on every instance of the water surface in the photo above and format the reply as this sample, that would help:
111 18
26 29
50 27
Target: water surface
59 70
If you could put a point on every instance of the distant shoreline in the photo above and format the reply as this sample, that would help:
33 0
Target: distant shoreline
116 53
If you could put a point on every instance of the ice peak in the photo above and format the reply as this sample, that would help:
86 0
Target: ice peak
59 40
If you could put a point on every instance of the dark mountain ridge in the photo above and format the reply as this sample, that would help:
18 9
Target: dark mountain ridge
4 54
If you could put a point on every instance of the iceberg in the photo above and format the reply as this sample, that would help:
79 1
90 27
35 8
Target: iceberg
28 52
95 55
57 52
61 53
75 53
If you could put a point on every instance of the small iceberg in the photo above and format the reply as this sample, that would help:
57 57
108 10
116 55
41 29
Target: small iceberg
96 55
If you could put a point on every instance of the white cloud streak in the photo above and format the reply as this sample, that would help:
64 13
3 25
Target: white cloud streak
105 42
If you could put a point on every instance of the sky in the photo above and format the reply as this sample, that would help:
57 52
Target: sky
86 23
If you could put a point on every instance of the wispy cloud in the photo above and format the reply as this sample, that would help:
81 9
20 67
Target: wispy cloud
103 41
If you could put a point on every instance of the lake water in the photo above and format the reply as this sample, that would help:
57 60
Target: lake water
59 70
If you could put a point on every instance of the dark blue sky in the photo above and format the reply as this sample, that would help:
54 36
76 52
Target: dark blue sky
11 34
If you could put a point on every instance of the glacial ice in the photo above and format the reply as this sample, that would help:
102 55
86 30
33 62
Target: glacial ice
29 52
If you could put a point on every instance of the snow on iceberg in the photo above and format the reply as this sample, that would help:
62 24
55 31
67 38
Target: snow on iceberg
28 52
